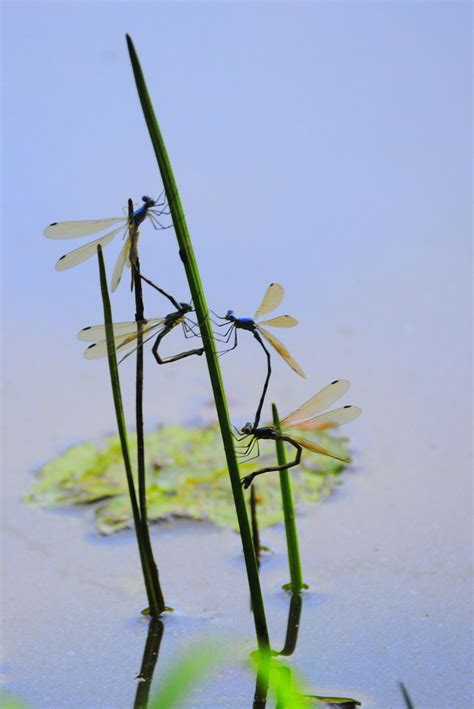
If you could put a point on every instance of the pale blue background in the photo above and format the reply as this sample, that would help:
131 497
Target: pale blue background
323 145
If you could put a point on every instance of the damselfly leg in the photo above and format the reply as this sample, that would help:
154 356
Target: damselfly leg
190 328
233 330
237 435
246 449
247 480
247 455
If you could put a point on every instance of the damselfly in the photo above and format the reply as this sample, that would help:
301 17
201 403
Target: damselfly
152 209
271 300
303 419
126 334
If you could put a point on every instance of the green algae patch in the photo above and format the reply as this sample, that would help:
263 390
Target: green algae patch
186 477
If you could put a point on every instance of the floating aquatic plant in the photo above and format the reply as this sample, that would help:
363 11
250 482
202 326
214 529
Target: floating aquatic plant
186 476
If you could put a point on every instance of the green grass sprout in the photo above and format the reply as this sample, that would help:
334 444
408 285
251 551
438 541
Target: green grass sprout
296 583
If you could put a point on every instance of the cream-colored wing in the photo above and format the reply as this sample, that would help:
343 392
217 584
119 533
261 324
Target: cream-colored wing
122 259
73 258
123 344
95 333
271 300
331 419
73 230
281 349
309 445
280 321
327 396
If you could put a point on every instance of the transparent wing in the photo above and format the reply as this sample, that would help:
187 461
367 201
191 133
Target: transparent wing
73 258
280 321
327 396
281 349
271 300
123 257
330 420
309 445
123 343
95 333
72 230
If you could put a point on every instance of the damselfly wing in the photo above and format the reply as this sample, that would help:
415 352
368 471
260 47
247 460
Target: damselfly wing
307 417
270 302
71 230
125 337
320 401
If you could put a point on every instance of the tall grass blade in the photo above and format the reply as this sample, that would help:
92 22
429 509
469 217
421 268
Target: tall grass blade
192 272
119 414
294 562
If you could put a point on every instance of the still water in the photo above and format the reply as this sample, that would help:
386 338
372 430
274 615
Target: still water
384 555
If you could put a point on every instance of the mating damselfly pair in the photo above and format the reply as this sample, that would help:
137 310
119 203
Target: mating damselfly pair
307 417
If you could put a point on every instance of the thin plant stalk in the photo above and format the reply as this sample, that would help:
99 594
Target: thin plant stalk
139 317
188 258
254 521
294 562
262 682
150 658
293 626
408 701
119 414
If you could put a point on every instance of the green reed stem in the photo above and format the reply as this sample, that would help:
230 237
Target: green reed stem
289 513
188 258
150 658
139 317
117 396
293 625
254 522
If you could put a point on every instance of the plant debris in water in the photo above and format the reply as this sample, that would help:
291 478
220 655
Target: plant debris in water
186 474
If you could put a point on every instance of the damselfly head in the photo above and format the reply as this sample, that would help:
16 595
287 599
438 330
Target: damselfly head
248 428
148 201
229 315
186 307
